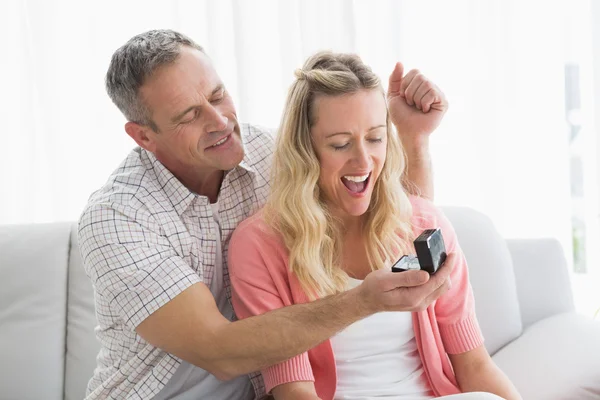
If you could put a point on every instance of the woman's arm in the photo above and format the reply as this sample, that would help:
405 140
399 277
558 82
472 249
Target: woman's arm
416 106
296 391
476 372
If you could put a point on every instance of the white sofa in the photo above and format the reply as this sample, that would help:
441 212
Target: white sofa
522 291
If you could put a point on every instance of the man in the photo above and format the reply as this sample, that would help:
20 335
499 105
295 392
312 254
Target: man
154 238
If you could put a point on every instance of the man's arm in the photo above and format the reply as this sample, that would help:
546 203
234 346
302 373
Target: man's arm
416 106
156 293
191 327
476 372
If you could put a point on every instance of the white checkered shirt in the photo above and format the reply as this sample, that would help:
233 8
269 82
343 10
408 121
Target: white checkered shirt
145 238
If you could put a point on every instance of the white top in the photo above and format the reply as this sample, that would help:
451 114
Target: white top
377 357
190 382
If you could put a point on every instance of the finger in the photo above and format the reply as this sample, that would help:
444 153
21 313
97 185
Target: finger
407 80
442 104
412 88
427 100
407 279
436 294
396 79
425 88
443 272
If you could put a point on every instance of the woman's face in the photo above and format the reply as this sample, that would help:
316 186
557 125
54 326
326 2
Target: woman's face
350 140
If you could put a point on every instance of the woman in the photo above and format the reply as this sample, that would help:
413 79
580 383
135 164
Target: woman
338 211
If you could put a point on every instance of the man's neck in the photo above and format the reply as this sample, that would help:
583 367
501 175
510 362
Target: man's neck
209 186
202 182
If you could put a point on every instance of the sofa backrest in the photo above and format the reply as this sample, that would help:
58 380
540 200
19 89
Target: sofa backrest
543 281
33 299
82 345
491 274
47 304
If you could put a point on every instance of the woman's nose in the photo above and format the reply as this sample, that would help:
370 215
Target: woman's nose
361 157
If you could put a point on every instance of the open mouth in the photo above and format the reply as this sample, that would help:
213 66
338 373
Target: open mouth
356 183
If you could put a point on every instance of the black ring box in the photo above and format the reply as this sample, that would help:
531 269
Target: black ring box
431 253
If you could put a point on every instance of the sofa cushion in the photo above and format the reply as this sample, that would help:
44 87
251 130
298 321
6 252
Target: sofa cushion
542 275
491 274
82 345
33 272
557 358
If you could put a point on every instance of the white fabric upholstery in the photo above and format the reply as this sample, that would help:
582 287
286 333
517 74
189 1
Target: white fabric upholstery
555 358
82 346
47 320
491 274
33 298
542 274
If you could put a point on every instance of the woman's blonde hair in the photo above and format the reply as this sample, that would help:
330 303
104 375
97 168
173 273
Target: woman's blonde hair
296 207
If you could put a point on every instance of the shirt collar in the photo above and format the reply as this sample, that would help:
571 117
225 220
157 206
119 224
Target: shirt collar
179 195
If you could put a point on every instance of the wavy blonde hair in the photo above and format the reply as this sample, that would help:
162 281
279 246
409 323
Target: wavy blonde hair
296 207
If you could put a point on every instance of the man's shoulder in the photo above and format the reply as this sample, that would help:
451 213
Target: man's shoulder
259 143
127 189
252 132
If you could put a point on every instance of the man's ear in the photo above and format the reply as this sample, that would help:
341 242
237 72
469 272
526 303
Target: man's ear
142 135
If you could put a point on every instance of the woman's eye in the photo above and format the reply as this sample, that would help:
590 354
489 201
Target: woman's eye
376 140
339 146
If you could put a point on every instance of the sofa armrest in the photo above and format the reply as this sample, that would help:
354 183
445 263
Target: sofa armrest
557 358
543 284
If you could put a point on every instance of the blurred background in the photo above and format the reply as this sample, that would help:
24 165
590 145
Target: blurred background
519 142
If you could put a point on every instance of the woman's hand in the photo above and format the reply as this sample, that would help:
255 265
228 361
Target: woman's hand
476 372
416 105
296 391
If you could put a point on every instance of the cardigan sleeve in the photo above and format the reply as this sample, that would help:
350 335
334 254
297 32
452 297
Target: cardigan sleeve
455 309
258 274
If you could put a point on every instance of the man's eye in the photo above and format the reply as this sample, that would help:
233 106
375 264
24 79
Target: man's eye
191 117
218 97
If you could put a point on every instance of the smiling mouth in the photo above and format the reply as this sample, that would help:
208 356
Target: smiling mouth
220 142
356 184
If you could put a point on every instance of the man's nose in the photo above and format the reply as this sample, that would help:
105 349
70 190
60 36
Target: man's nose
216 121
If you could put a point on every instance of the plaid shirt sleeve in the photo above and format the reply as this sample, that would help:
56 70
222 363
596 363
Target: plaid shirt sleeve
134 269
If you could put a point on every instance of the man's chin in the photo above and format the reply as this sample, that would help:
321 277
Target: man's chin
231 162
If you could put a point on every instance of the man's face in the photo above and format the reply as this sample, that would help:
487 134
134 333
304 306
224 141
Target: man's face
195 116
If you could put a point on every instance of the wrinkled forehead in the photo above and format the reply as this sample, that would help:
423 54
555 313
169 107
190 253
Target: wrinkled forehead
190 78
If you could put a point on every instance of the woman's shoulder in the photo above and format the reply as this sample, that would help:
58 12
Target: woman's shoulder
256 231
257 249
424 211
426 215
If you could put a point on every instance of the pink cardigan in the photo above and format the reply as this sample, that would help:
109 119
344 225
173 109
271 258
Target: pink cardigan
261 281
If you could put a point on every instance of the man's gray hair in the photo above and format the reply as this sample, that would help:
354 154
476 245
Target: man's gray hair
133 63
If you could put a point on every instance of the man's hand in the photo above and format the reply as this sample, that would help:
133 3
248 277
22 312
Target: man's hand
405 291
416 105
